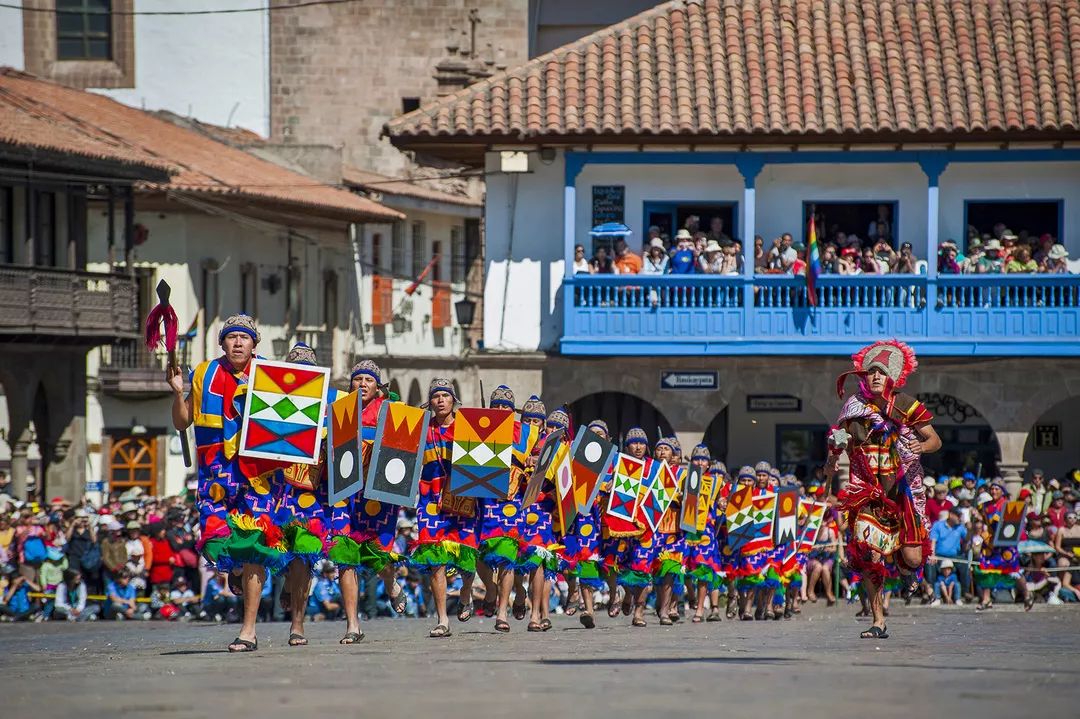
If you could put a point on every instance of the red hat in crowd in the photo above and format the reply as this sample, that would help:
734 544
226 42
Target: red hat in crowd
1025 493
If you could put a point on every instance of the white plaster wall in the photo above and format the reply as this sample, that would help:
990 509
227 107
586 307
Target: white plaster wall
1010 180
782 189
523 258
11 42
212 67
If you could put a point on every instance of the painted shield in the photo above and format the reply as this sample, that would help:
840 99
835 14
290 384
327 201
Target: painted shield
549 448
527 437
750 520
590 459
344 474
1011 525
814 517
695 498
284 411
657 493
786 525
562 475
482 452
397 455
625 484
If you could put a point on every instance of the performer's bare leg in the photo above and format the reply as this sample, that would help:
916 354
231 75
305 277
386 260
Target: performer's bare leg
702 592
874 597
587 599
487 577
465 596
507 578
640 597
350 598
297 583
572 596
438 593
251 580
389 577
536 595
663 598
545 599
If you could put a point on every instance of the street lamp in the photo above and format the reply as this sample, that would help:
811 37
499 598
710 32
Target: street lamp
465 310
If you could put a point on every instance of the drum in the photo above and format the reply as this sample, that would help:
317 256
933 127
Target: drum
880 534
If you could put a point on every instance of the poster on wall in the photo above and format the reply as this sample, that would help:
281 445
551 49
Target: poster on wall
608 204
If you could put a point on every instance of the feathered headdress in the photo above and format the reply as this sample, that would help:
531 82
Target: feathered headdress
893 357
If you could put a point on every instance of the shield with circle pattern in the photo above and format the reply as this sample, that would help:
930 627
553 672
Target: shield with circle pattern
344 473
397 454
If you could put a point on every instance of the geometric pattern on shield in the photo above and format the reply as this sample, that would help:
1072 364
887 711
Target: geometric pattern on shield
1011 525
482 453
786 525
345 476
284 411
397 455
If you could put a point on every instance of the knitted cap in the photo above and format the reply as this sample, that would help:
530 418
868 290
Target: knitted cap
559 418
636 435
747 472
665 442
600 426
774 473
502 397
301 354
700 452
763 466
239 323
441 384
718 467
787 479
534 409
366 367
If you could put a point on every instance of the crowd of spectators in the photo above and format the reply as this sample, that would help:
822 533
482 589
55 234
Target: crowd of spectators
695 250
134 558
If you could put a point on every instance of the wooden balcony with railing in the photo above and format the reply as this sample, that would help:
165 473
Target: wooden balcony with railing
127 369
42 304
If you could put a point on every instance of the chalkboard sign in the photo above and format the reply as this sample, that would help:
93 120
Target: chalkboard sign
608 204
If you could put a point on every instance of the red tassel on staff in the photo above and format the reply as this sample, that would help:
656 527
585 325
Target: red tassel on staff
420 278
162 316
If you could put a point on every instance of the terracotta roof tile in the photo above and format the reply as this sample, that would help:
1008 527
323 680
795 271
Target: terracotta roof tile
97 126
715 68
415 188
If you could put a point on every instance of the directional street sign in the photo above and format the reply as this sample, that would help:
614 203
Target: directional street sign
689 380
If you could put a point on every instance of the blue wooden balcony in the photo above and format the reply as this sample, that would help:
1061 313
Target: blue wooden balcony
951 315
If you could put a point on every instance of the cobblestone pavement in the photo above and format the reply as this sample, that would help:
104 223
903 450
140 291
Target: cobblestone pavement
937 662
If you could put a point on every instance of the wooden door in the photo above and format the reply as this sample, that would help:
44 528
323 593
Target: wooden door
133 463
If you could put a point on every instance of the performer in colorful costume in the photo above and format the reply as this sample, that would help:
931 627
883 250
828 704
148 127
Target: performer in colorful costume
363 530
703 558
581 547
669 568
999 567
447 523
534 414
791 562
635 576
236 498
884 433
757 576
501 541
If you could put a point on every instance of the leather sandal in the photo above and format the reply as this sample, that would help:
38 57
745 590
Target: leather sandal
244 645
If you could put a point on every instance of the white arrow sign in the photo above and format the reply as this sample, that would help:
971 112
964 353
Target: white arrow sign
689 380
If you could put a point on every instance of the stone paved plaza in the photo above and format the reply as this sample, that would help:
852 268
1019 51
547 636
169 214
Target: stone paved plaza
943 662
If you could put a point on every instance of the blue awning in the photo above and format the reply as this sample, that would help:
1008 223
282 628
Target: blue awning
610 229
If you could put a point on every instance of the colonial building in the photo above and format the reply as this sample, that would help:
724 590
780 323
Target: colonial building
227 230
933 116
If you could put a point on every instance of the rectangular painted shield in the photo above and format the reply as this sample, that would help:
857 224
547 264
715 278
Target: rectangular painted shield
1009 528
527 437
549 447
750 520
695 500
590 458
564 488
808 537
625 485
786 525
345 466
482 453
397 456
284 411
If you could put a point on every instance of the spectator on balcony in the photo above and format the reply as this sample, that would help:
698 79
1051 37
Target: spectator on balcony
848 262
1057 261
906 262
733 257
711 261
830 263
992 262
1042 251
975 252
716 231
761 260
881 227
601 264
656 260
999 230
947 259
1009 244
692 224
1021 261
782 255
886 256
626 261
581 265
869 264
683 260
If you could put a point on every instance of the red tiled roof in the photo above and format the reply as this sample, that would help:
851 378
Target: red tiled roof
374 182
814 69
51 116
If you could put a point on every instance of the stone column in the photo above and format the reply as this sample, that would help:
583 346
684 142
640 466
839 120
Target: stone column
20 467
1012 465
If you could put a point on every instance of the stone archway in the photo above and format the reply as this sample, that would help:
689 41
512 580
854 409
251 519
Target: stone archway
969 442
621 411
415 397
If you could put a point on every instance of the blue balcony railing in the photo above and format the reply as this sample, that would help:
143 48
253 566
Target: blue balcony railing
771 314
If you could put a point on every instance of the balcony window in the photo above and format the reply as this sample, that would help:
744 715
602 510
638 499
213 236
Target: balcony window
376 252
436 255
7 225
83 30
419 248
330 299
839 222
397 249
45 229
249 289
457 254
1027 219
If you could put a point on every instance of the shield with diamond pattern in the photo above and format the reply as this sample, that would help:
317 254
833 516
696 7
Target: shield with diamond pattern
482 453
750 520
625 483
284 411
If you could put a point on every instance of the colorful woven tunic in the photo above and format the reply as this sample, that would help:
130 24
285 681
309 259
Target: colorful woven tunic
581 548
502 542
445 538
236 498
705 550
998 567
